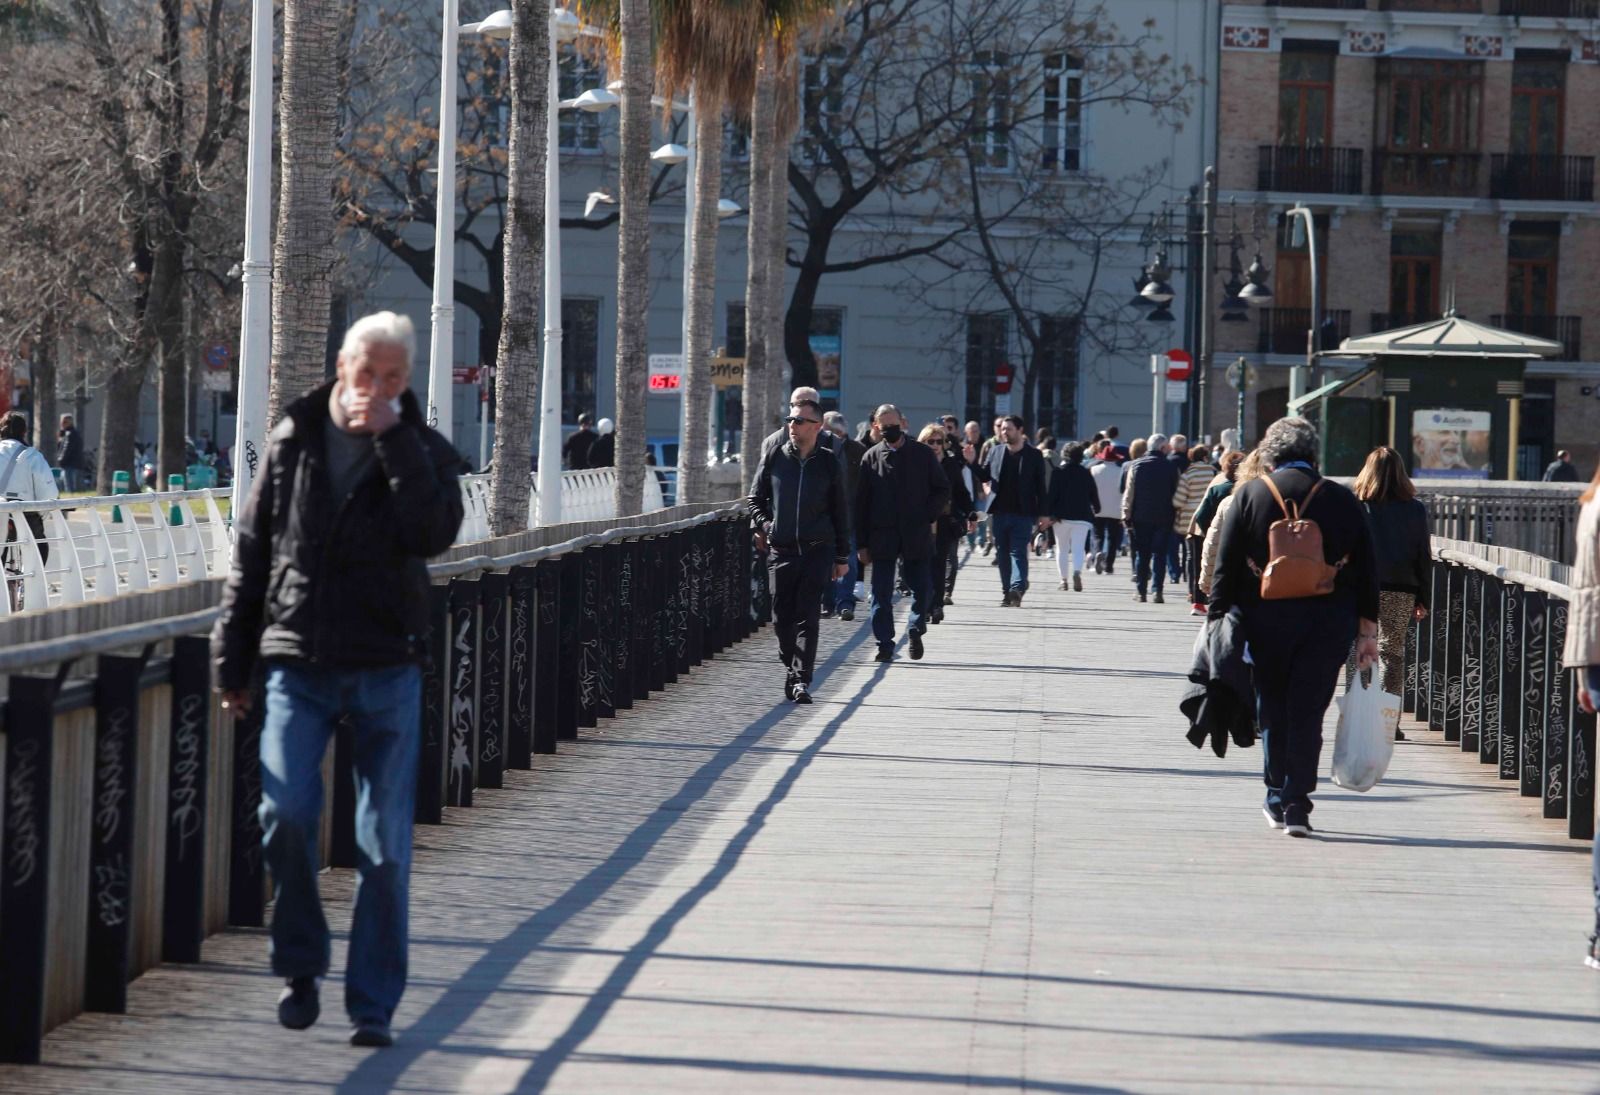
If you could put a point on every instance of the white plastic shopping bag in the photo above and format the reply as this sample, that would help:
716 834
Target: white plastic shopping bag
1365 741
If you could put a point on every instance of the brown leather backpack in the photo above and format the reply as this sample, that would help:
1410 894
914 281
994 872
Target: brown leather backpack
1296 565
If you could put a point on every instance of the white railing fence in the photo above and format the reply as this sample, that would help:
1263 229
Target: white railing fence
586 495
94 549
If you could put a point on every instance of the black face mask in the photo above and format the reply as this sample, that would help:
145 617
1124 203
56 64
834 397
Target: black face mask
891 434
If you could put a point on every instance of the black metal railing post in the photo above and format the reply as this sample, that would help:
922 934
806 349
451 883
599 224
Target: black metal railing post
1511 657
1492 707
493 625
1408 685
624 685
1535 686
461 693
605 567
1472 661
434 738
247 868
1581 769
521 637
1455 587
1558 716
25 854
570 609
183 898
588 594
1438 643
547 688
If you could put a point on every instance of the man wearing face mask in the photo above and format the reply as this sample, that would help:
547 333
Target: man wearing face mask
328 602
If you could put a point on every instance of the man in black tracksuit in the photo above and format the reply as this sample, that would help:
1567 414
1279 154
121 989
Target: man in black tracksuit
798 501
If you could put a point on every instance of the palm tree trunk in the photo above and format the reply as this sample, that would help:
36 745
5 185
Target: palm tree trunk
516 374
757 413
785 121
303 256
693 476
633 254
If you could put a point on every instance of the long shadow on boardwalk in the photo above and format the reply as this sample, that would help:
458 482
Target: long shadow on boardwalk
458 1003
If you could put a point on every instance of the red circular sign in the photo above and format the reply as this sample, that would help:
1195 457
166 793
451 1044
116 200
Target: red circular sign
1179 364
1002 378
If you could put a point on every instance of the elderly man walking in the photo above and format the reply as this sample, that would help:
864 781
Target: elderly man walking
901 493
329 599
798 501
1148 484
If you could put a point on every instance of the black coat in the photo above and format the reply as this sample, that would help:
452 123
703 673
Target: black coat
1148 485
1073 494
69 448
603 453
1222 702
802 501
1402 546
901 493
954 523
1033 491
337 582
1560 471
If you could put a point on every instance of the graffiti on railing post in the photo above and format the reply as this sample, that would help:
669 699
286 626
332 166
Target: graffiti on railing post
1489 721
1534 624
1472 663
1511 654
1559 696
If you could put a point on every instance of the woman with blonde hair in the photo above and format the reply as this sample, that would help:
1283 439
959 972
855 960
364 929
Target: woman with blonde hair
1404 556
1246 468
1582 649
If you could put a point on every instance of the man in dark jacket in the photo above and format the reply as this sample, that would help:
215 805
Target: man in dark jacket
797 500
952 526
1147 488
840 598
1559 471
901 494
576 448
1019 482
69 453
328 597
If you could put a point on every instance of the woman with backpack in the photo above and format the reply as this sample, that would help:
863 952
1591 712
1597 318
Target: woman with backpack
1582 649
1295 559
1404 552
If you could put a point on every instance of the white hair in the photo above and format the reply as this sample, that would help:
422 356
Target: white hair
381 329
604 426
804 394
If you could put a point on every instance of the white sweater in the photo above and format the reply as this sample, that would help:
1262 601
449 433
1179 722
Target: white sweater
31 480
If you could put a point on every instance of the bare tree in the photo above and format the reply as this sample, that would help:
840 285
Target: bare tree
516 375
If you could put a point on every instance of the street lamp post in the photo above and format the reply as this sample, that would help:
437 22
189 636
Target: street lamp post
1300 376
255 321
441 341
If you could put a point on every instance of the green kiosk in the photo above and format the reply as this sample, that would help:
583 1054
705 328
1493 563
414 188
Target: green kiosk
1446 393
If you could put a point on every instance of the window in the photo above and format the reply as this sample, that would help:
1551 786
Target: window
1531 259
1413 276
822 99
989 132
580 356
1538 91
580 130
988 344
1432 106
1305 94
1057 370
1062 146
1292 279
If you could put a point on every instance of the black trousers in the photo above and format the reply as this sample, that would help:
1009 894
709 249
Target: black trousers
797 578
1297 648
947 557
1107 539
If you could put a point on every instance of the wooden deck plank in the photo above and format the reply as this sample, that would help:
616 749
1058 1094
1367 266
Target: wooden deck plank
1000 868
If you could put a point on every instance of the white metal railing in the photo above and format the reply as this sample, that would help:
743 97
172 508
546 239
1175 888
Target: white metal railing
93 549
586 495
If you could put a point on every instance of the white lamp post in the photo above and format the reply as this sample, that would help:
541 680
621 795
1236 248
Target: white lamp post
441 349
255 321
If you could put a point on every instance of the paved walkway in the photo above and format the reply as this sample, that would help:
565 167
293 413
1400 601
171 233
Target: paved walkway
1002 868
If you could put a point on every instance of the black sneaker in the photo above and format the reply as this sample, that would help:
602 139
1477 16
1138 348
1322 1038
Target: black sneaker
949 599
1274 816
1005 600
847 614
1158 599
827 613
885 652
1592 959
1016 598
1399 735
1296 823
371 1032
1077 581
936 617
801 694
916 646
300 1003
1140 597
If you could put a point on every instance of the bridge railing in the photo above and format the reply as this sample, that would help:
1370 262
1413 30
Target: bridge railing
1485 669
128 799
1539 518
586 495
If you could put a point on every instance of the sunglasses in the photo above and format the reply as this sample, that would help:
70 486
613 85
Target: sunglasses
795 419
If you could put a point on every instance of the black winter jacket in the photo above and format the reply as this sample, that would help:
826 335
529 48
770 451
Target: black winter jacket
1221 705
954 524
337 582
902 492
1147 488
1033 491
798 502
1402 546
1073 494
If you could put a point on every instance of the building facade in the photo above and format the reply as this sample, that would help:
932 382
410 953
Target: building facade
1447 149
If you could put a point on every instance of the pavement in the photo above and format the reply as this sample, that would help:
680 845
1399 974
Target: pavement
1002 868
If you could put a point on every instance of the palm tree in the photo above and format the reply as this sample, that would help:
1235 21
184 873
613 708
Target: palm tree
516 375
763 133
700 299
633 250
303 255
786 119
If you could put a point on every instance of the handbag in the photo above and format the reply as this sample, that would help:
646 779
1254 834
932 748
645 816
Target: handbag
1364 742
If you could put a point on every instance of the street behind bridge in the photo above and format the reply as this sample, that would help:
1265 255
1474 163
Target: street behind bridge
1000 868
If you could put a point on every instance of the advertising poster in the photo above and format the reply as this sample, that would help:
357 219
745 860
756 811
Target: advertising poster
827 349
1448 444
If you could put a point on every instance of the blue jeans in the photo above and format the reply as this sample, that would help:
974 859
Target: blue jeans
844 589
1591 682
1149 554
918 576
1012 534
304 703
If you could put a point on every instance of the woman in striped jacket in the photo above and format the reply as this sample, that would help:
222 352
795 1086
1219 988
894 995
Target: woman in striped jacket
1192 485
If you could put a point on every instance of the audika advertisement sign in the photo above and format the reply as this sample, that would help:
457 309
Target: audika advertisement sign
1450 444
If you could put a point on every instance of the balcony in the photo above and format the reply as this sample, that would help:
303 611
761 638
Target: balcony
1393 321
1552 9
1283 330
1567 330
1426 174
1301 170
1541 178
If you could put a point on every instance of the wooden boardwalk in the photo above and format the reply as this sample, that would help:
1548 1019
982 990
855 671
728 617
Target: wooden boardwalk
1000 869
